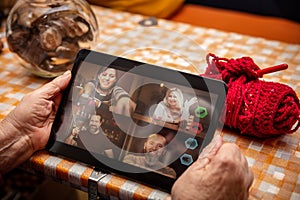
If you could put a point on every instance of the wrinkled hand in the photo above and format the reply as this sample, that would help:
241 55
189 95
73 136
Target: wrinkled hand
221 172
35 114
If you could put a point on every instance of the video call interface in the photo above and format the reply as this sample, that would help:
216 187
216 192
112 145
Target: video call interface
152 124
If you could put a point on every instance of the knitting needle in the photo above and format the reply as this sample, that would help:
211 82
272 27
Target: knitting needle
272 69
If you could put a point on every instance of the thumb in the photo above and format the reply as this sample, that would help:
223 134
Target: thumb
57 85
208 153
212 148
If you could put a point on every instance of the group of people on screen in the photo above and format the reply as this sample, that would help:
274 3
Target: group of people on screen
101 96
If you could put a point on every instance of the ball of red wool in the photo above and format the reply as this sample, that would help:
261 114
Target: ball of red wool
255 107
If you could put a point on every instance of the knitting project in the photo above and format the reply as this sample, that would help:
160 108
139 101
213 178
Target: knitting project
255 107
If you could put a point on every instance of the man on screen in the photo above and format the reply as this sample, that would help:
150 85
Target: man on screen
154 149
93 139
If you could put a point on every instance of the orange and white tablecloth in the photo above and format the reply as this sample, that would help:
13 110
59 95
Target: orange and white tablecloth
275 161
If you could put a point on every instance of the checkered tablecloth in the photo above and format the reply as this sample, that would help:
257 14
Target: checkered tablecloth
275 162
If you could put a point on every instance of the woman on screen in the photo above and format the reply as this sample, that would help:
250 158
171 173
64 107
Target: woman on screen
172 108
110 97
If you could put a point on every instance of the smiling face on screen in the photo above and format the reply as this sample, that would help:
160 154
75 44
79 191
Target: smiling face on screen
172 100
107 78
154 148
95 123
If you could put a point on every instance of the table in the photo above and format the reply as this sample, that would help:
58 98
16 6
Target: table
274 161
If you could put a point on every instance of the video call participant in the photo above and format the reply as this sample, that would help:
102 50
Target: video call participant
93 138
153 152
82 109
85 105
173 109
110 97
79 124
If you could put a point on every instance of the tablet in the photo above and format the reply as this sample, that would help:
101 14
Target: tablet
143 122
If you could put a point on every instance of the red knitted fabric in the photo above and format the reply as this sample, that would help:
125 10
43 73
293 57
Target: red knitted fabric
255 107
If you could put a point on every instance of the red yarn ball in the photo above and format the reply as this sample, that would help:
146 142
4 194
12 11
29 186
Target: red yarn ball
255 107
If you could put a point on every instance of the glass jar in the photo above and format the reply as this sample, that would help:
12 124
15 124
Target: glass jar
47 34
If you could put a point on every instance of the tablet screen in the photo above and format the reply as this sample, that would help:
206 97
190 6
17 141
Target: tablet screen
133 118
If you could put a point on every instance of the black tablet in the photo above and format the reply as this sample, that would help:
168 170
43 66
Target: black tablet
141 121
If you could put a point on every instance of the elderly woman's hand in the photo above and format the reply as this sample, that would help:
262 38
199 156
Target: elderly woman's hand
27 128
221 172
